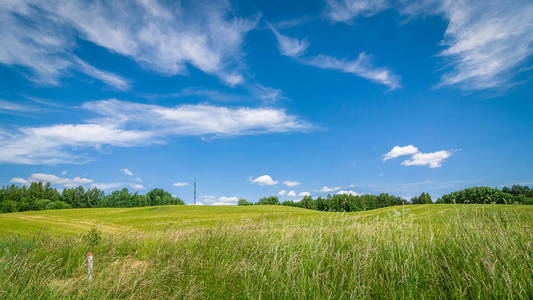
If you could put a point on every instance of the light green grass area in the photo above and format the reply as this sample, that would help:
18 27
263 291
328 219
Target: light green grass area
272 252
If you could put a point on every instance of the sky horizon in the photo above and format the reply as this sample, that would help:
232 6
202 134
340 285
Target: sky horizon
267 97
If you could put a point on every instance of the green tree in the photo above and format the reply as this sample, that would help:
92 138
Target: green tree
243 202
271 200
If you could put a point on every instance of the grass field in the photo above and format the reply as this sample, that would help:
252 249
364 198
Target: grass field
418 251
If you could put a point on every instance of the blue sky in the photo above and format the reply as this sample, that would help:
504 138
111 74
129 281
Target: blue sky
267 98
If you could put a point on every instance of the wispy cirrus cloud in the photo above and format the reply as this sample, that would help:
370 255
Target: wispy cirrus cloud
362 66
126 124
485 42
164 37
289 46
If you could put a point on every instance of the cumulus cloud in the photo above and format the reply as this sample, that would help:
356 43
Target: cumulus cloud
180 184
485 41
290 183
431 159
127 172
347 192
265 180
397 151
162 37
127 124
53 179
282 192
289 46
291 194
303 194
137 186
326 189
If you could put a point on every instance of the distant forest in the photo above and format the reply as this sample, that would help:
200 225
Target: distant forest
517 194
39 196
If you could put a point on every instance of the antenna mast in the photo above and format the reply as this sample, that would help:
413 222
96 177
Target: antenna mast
194 190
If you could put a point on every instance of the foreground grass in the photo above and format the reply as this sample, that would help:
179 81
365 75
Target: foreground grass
423 251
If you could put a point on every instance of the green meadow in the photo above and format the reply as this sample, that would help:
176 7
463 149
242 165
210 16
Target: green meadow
270 252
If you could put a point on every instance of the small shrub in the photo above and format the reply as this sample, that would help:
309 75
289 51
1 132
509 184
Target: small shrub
93 236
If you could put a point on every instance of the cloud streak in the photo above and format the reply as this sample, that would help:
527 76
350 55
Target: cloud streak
485 42
127 124
42 35
361 67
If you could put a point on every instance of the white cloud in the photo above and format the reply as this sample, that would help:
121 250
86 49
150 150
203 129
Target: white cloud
291 194
282 192
127 124
303 194
12 106
348 192
361 67
485 41
53 179
180 184
228 199
64 172
433 159
326 189
222 200
290 183
37 42
289 46
71 182
397 151
346 10
265 180
127 172
164 38
106 186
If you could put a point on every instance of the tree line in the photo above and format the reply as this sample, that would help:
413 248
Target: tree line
516 194
342 202
39 196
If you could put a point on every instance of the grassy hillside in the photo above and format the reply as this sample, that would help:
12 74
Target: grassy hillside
419 251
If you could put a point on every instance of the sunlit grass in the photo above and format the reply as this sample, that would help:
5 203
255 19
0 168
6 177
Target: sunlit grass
423 251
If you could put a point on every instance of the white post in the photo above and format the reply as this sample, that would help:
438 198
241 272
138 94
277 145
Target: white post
90 266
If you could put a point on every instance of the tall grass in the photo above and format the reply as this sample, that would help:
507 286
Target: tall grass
475 252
